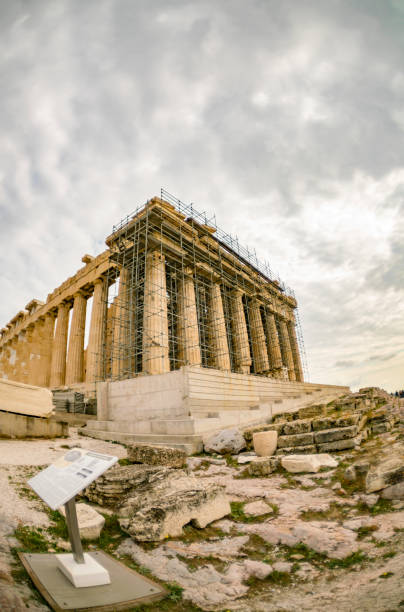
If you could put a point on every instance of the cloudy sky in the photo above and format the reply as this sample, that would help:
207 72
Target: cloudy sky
285 118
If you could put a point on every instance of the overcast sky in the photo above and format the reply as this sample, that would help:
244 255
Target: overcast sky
285 118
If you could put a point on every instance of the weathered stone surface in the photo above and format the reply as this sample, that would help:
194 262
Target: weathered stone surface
282 566
291 450
297 427
394 491
332 422
339 445
356 472
90 521
224 549
248 433
265 443
385 474
295 440
157 455
311 411
260 466
225 441
257 508
379 428
307 463
205 587
10 601
161 507
330 435
112 488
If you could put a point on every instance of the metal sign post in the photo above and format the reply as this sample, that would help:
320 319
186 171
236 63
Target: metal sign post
73 530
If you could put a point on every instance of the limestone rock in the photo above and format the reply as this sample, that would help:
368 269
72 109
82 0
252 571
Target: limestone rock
387 473
307 463
332 422
311 411
257 569
295 440
291 450
225 441
224 549
330 435
282 566
357 472
90 521
265 443
394 492
157 455
297 427
161 507
257 508
339 445
260 466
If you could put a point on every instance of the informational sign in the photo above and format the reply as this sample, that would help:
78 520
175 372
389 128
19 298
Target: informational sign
69 475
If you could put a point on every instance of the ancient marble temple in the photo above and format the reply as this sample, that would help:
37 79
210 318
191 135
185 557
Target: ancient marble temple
171 290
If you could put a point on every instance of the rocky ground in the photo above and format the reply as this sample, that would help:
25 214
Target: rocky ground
326 540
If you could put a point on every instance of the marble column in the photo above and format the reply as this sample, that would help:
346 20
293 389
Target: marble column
294 345
59 349
75 354
259 347
120 325
220 357
274 349
94 349
189 350
34 331
155 320
242 356
45 349
287 354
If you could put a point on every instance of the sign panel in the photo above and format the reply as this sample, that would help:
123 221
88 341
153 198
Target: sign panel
69 475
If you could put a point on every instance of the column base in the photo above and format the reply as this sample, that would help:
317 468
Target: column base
87 574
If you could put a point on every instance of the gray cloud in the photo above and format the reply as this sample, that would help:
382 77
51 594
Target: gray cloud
284 118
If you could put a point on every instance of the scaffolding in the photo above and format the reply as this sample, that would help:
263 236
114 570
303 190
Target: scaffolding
184 292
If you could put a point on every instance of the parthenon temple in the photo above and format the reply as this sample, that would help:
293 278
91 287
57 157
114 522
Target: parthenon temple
185 297
171 293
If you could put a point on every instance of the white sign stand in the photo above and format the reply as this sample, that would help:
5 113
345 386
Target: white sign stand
58 485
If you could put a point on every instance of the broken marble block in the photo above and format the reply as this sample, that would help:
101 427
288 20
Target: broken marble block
90 521
161 509
265 443
386 474
157 455
307 463
225 441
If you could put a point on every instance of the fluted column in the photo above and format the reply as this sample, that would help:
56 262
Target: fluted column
259 348
120 325
75 354
274 349
294 345
94 349
45 349
189 350
242 356
59 349
34 352
287 354
220 357
155 320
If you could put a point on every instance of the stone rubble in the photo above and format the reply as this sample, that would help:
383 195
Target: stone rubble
225 441
157 455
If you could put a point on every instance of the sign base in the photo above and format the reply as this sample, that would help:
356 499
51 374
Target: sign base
87 574
126 590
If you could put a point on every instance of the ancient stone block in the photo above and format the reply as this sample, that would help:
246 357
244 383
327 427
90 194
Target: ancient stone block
291 450
395 491
379 428
385 474
248 433
297 427
225 441
332 422
307 463
265 443
257 508
338 445
157 455
311 411
261 466
90 521
295 440
330 435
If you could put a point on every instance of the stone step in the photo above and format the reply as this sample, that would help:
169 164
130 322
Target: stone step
190 444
